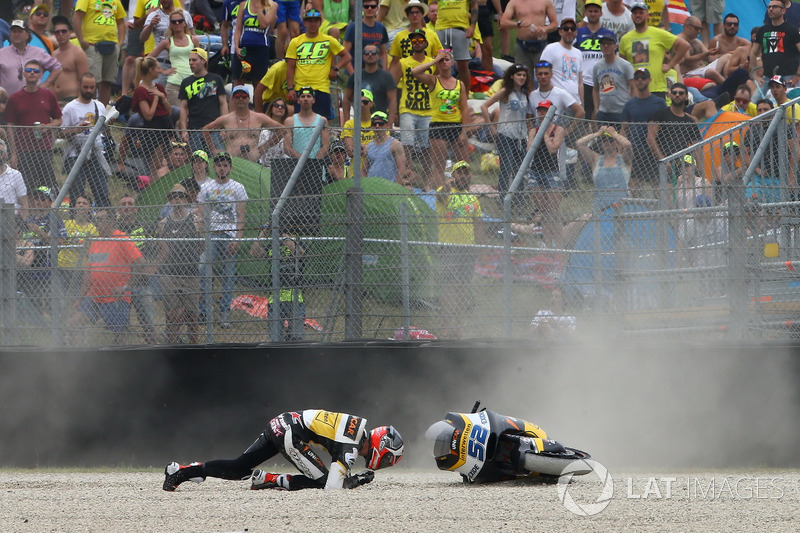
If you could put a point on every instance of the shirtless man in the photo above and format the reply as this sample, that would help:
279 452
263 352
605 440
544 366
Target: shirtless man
74 62
696 62
528 18
241 127
728 41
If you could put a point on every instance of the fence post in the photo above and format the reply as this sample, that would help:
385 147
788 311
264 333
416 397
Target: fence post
404 265
508 275
738 258
207 269
8 276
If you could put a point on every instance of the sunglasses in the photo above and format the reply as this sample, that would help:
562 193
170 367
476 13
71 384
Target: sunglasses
370 6
678 93
177 21
34 70
569 28
370 52
742 101
414 12
59 32
732 24
775 7
414 40
544 64
278 106
41 13
641 78
378 123
365 102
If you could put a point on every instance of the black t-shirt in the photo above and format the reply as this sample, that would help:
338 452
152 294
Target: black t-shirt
380 83
675 133
202 94
779 49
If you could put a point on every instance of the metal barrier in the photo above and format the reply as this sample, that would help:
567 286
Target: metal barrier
689 250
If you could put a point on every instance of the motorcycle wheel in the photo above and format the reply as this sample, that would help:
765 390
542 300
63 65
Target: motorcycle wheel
554 464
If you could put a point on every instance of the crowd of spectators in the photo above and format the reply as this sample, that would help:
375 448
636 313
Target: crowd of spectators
626 92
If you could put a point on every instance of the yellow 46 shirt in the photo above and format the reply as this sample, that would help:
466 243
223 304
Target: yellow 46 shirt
314 60
100 19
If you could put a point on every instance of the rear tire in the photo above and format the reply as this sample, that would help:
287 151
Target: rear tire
554 464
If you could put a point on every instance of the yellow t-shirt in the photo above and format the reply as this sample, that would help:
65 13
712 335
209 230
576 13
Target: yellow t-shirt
275 82
647 49
367 134
446 103
143 7
76 234
414 95
401 46
100 19
656 9
395 18
457 217
751 110
453 14
314 60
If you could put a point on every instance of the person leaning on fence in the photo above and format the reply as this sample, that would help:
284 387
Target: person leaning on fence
225 199
113 263
241 126
78 119
765 185
141 291
610 156
12 186
179 259
460 223
290 267
300 127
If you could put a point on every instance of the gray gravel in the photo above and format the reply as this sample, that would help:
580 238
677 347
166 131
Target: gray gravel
403 500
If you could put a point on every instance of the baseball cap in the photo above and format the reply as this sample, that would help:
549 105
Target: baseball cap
18 24
568 20
306 90
312 13
598 3
40 7
730 146
688 159
611 37
418 33
200 154
240 88
366 93
777 79
202 53
380 115
642 70
416 3
177 190
337 147
640 5
459 165
547 104
223 156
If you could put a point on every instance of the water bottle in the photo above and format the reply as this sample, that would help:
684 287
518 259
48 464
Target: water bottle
448 169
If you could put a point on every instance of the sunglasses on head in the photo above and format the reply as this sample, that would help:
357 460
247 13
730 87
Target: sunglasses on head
177 21
544 64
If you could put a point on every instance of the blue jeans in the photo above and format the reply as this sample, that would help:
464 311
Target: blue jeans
218 258
198 142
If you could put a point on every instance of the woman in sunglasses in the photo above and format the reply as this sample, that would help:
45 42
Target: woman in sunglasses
512 128
178 45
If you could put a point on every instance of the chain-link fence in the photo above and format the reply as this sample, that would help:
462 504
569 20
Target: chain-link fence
200 248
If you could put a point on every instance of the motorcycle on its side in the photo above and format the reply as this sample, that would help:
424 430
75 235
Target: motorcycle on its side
484 446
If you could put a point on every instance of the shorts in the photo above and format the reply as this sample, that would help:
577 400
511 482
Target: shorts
446 131
696 82
414 130
485 21
135 47
322 105
700 72
104 68
181 292
456 40
288 10
115 314
545 180
709 11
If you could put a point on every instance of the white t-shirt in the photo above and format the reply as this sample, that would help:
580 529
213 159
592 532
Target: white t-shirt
12 186
223 199
73 114
619 24
567 66
560 98
160 31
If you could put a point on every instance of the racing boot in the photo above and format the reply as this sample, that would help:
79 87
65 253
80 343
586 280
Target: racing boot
264 480
175 474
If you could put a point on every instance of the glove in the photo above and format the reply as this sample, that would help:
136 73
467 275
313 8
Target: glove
356 480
